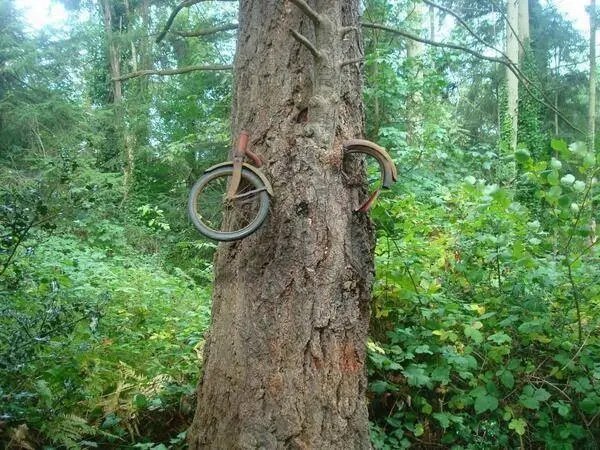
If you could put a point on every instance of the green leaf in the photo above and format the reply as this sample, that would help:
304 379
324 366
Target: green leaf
381 386
563 408
485 402
590 404
443 418
416 376
522 155
441 374
554 192
500 338
473 333
421 349
559 145
518 425
419 430
531 397
552 178
507 379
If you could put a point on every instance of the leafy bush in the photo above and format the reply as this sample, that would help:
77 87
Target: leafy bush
484 331
97 341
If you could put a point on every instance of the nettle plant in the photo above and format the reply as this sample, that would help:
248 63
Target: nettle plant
485 331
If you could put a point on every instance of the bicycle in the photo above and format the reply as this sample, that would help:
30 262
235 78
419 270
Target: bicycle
231 200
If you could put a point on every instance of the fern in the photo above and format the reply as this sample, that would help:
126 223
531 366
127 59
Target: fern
69 430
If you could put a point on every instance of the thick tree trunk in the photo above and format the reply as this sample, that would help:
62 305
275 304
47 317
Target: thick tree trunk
284 359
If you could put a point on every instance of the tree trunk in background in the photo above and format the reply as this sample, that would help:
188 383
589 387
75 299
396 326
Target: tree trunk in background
432 23
414 52
592 102
284 359
114 59
512 83
523 28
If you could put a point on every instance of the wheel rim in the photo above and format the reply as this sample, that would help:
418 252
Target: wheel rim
221 215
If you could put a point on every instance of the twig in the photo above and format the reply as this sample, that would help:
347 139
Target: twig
576 299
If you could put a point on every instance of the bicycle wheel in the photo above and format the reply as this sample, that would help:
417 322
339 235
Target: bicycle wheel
228 220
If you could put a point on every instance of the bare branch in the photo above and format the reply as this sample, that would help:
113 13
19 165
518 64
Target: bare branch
306 9
206 31
511 66
304 41
466 26
142 73
176 10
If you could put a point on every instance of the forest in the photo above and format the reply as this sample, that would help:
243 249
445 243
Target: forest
459 312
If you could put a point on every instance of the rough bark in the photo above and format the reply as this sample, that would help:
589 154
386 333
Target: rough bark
284 359
512 82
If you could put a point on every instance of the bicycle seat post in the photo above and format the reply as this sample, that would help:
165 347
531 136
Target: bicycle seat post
238 159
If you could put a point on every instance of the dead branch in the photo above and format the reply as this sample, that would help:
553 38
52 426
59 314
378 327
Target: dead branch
304 41
176 10
506 62
206 31
306 9
142 73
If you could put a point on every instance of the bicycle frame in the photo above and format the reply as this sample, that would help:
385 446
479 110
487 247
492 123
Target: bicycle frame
239 154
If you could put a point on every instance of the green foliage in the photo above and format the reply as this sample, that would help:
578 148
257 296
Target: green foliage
99 314
484 332
484 325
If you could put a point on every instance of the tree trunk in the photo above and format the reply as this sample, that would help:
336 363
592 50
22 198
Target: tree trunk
512 83
125 137
284 359
414 104
592 102
523 28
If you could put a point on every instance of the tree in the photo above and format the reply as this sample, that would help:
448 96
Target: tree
512 82
593 76
284 360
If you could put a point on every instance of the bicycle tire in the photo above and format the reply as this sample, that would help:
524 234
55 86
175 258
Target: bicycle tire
221 176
